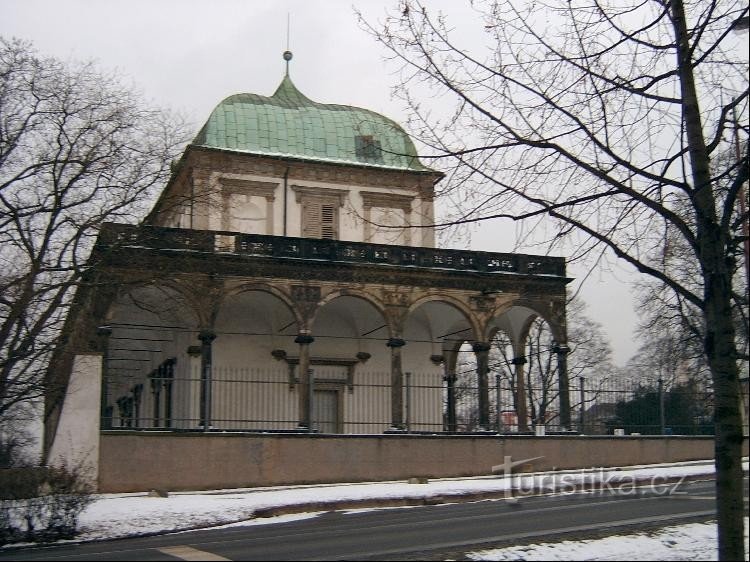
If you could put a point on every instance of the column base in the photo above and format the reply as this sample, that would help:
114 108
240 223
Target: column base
395 429
484 430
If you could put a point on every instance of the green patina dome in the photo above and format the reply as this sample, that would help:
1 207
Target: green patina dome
291 125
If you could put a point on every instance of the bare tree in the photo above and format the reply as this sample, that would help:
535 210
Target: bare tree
672 329
671 334
601 122
77 149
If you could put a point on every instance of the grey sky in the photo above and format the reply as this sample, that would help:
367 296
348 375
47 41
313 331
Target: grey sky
190 54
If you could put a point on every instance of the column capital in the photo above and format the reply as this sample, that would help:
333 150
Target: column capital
395 342
479 346
278 354
206 336
519 360
104 331
363 356
304 339
561 349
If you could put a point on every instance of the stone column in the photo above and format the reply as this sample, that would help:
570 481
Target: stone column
305 386
482 352
562 374
397 384
156 382
521 410
168 380
189 415
104 332
137 395
206 338
449 377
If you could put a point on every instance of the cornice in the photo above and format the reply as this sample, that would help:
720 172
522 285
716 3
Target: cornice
296 270
338 195
241 186
302 170
387 200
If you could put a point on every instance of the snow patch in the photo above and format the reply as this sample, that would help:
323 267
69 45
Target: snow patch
692 541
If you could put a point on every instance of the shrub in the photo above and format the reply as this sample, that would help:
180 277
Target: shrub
41 503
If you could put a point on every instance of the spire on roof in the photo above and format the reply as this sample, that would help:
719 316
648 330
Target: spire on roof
288 52
287 58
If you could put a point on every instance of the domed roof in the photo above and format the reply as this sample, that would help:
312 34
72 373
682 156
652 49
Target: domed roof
289 124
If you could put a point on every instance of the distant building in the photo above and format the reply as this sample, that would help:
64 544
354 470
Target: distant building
598 419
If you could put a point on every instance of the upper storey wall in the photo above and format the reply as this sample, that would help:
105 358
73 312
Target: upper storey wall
229 191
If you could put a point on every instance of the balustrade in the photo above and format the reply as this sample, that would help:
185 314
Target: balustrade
163 238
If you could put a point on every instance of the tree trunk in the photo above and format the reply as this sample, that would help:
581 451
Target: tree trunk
720 337
720 348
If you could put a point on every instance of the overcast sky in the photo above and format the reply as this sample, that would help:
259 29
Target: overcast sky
188 55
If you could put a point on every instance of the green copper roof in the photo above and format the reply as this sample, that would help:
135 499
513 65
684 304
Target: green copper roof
289 124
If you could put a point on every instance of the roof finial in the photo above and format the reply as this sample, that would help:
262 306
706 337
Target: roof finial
287 53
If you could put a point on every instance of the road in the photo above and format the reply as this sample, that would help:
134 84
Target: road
429 532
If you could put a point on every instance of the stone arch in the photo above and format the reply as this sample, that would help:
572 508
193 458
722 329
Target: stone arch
350 362
376 303
280 294
255 326
517 321
180 296
149 329
435 327
349 324
542 309
455 303
517 329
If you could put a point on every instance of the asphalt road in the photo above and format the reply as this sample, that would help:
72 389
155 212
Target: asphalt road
418 532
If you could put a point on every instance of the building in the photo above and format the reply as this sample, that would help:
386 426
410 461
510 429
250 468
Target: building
287 279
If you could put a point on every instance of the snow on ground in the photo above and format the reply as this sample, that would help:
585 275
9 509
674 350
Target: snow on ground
693 541
118 515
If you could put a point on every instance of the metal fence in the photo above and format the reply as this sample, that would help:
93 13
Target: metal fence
360 403
648 408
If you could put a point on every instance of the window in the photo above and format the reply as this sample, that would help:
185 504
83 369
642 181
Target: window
368 149
320 210
383 210
247 205
319 219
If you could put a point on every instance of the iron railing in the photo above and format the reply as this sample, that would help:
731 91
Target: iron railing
255 400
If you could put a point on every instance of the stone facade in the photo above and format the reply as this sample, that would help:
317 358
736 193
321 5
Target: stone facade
287 294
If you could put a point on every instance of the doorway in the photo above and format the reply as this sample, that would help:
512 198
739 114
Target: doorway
326 418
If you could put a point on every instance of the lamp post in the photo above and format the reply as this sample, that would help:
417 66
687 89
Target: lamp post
741 195
741 26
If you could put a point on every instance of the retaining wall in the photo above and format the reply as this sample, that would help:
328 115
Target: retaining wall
132 461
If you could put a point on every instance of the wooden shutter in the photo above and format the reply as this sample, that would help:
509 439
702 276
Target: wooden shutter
311 219
319 219
328 221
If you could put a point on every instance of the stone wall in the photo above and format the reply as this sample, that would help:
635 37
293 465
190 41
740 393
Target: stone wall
135 461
